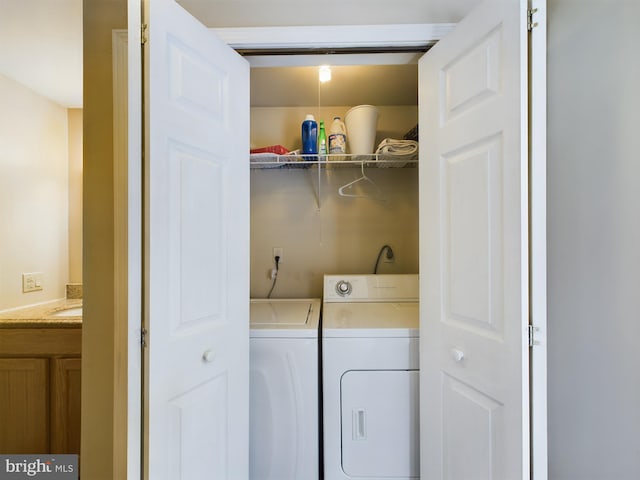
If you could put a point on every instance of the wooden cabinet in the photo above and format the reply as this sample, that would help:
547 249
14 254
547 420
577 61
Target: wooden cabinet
40 390
24 405
65 405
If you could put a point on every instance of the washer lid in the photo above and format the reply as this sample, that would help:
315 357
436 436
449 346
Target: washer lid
373 319
284 317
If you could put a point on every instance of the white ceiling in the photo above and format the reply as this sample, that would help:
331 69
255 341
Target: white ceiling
259 13
41 40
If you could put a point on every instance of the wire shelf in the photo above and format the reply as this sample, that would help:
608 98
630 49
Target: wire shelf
332 161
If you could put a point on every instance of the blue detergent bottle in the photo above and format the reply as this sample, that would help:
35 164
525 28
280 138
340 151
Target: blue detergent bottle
309 136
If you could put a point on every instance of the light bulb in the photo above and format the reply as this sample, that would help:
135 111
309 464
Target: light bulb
324 73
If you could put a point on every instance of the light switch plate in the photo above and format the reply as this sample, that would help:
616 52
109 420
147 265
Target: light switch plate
32 282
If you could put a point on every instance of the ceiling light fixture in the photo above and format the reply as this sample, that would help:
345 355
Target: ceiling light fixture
324 74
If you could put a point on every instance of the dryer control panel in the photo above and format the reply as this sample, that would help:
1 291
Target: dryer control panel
371 288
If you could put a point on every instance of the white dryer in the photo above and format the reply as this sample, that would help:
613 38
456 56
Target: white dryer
370 377
284 393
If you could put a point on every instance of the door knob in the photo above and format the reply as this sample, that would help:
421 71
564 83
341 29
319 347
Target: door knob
208 356
457 355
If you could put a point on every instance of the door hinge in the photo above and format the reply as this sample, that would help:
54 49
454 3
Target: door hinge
143 337
144 33
532 332
530 23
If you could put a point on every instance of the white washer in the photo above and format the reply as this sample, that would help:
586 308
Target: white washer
370 377
284 415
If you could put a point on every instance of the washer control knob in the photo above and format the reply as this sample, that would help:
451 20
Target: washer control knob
343 288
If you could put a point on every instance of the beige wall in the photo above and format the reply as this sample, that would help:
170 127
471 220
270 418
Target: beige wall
99 445
75 195
281 126
344 235
33 194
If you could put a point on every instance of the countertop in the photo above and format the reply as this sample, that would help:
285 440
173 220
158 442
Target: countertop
41 315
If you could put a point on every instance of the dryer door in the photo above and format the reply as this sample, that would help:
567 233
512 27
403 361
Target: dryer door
380 423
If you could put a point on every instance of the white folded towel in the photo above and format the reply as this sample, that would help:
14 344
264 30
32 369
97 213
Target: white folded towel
394 151
391 146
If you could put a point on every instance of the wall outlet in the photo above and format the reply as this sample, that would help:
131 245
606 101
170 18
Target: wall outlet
277 252
32 282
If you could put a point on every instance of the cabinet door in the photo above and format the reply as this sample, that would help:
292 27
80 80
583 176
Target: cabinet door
474 249
196 249
24 401
65 405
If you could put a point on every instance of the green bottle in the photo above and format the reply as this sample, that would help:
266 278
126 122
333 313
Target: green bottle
322 142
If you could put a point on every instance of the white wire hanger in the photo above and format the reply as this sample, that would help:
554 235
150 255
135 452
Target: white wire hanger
348 189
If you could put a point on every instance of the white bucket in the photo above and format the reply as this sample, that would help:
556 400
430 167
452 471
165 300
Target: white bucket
361 122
